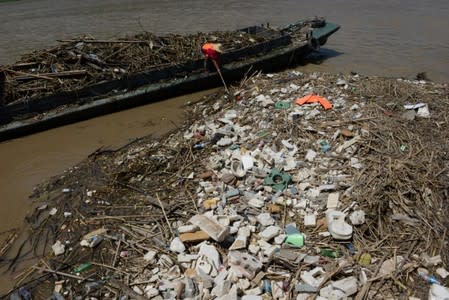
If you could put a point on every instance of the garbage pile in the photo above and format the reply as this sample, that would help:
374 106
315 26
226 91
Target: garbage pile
84 61
295 186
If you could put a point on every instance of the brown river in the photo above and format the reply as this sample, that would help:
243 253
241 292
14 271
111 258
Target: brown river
386 38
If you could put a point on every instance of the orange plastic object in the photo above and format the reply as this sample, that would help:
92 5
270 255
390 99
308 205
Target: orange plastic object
314 98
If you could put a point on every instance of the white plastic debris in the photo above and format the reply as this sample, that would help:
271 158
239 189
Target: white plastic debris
212 228
237 168
313 277
294 87
310 156
280 239
429 261
265 101
239 243
151 292
348 144
251 297
354 107
211 253
253 249
290 164
186 258
221 289
389 265
333 200
337 226
256 202
422 109
231 114
269 233
137 290
265 219
442 272
93 238
438 292
423 112
177 245
165 261
341 82
290 147
91 242
355 163
312 114
187 228
42 207
224 141
357 217
150 256
58 248
348 285
310 220
243 264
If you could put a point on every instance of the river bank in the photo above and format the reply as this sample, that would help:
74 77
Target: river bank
321 202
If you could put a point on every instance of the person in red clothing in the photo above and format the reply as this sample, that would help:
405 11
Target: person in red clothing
212 52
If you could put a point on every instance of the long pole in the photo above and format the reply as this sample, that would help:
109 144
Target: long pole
221 76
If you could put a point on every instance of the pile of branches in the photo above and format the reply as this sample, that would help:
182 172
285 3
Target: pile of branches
81 62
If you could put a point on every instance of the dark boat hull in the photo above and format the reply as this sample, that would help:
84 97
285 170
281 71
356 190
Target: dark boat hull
141 92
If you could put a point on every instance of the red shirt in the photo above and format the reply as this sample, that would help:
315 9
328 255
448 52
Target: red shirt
210 51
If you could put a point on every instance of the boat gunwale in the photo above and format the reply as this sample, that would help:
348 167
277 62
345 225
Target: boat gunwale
41 104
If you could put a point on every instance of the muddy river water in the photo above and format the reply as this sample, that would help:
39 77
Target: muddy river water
387 38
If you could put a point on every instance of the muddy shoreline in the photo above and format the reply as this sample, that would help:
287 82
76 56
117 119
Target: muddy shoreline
128 203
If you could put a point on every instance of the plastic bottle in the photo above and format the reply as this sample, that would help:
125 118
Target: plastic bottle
83 267
267 286
199 146
331 253
429 278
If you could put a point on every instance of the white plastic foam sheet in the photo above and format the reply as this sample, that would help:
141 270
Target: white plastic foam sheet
422 109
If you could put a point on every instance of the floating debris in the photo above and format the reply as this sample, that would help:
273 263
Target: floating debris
260 210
